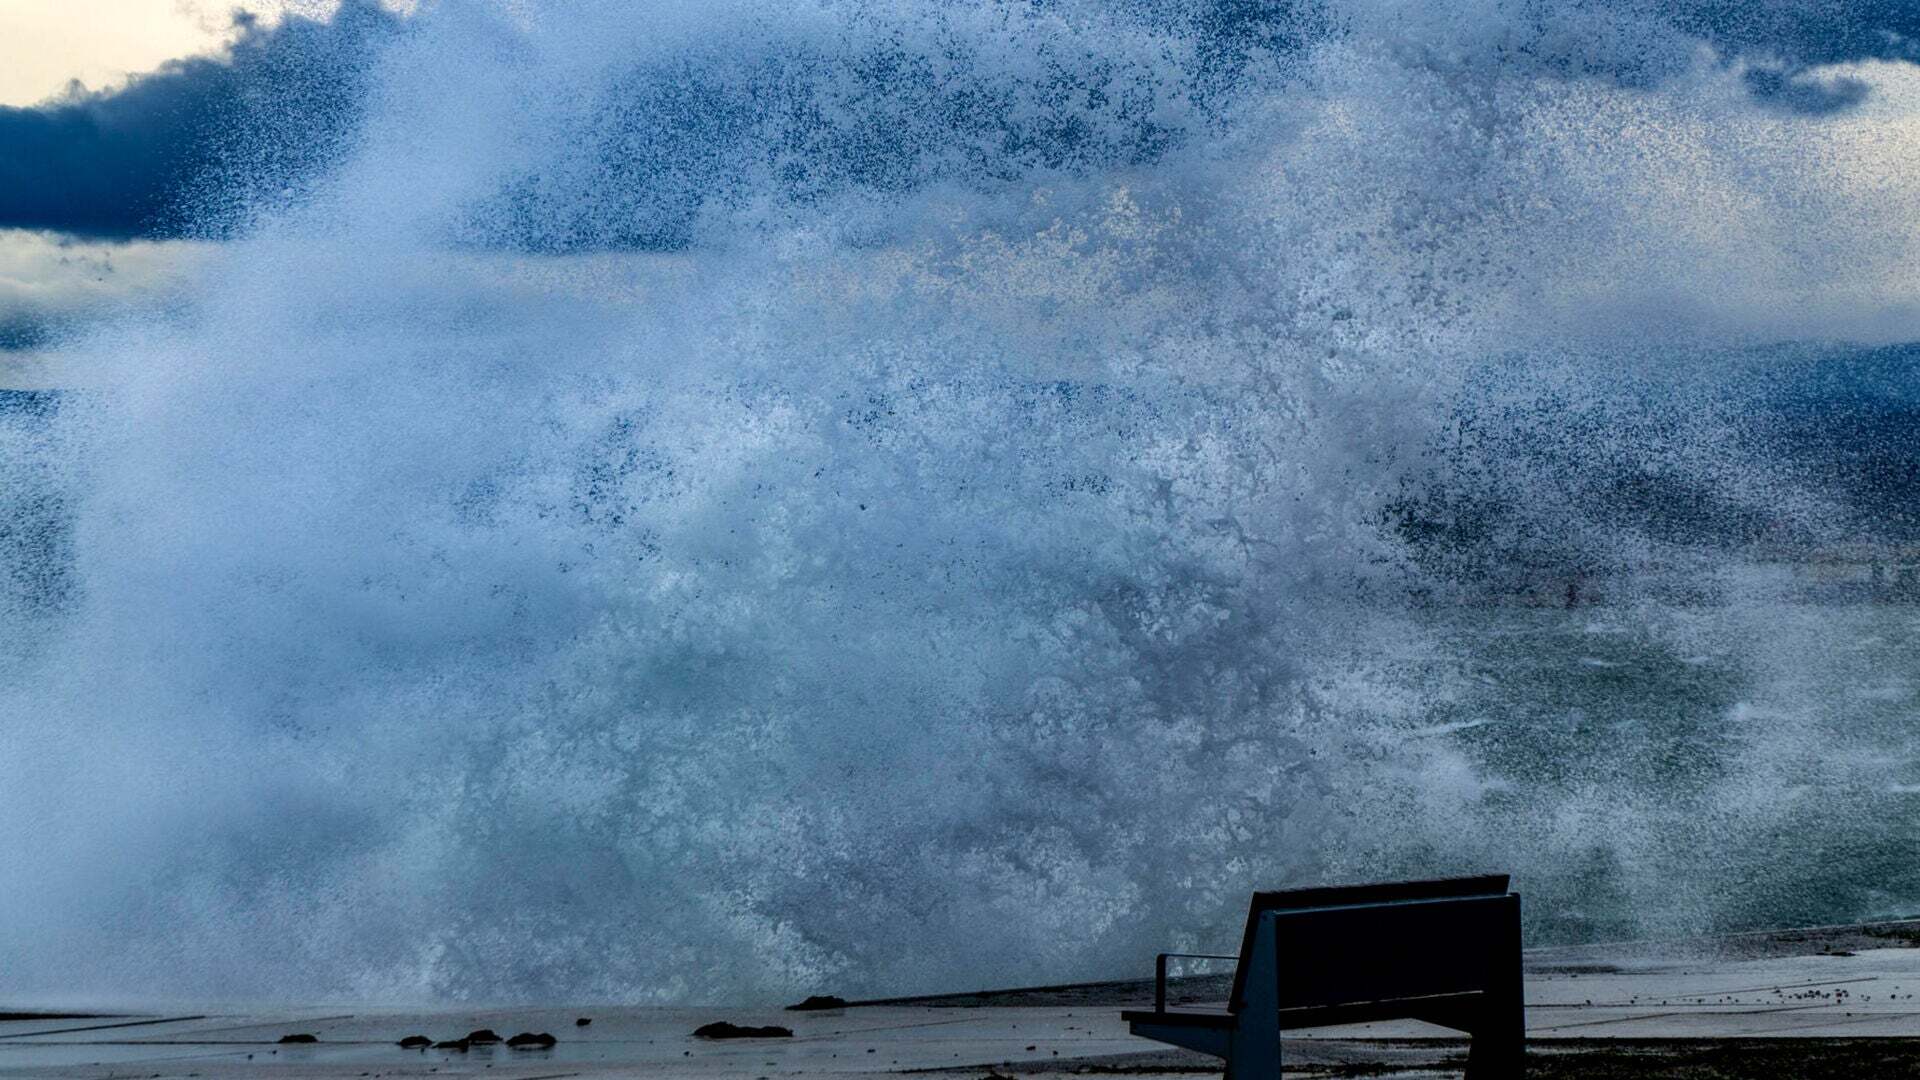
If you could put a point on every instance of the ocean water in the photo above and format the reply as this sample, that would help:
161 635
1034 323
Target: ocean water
1664 771
725 501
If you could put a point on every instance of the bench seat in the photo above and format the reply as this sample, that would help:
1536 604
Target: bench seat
1192 1016
1446 1010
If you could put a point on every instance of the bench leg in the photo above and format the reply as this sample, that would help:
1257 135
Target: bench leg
1497 1053
1254 1048
1255 1054
1499 1050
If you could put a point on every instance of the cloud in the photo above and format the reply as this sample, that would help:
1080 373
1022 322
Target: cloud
1783 40
1804 94
54 287
173 153
1804 33
1645 44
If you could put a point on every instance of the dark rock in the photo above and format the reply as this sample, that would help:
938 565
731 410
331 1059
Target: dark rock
583 1021
415 1042
527 1040
451 1044
720 1029
484 1035
301 1038
819 1001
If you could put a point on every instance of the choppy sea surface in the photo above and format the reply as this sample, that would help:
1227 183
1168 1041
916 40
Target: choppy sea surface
1651 772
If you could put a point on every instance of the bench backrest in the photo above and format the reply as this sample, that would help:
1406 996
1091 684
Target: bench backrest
1348 943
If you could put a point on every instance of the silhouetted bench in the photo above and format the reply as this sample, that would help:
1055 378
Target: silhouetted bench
1446 952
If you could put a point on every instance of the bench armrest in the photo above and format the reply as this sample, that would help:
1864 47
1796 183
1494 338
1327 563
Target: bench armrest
1160 973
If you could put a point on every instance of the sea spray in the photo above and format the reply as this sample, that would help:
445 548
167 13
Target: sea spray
734 500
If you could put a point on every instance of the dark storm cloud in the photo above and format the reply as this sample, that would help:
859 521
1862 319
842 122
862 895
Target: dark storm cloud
168 153
1644 44
1783 39
1803 94
1808 32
